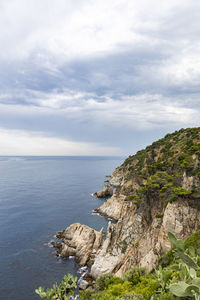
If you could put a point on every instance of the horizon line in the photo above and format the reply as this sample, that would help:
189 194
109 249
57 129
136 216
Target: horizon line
62 155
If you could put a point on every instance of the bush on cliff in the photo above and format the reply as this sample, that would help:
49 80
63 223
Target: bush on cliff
162 283
159 169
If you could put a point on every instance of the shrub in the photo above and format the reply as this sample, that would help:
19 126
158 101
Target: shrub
147 286
124 246
134 275
85 295
193 241
103 281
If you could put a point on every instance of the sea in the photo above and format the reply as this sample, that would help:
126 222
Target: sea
40 196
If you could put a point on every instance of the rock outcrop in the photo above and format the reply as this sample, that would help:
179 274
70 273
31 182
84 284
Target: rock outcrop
82 242
83 285
106 192
114 207
106 260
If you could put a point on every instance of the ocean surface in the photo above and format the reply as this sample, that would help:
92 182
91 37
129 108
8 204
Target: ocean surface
40 196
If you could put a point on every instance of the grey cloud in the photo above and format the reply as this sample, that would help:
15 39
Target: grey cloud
89 117
127 94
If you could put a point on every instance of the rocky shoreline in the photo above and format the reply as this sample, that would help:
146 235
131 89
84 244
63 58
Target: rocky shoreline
85 243
143 219
128 242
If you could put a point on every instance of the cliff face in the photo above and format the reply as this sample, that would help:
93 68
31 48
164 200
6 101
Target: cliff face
157 190
137 239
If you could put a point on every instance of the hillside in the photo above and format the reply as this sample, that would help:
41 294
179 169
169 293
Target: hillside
175 154
166 170
157 190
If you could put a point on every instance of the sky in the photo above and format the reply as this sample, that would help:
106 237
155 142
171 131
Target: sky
96 77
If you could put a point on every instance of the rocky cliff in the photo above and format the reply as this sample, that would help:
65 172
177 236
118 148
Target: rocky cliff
156 190
80 241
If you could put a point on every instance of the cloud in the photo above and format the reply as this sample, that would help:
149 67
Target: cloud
71 29
65 29
91 124
103 46
142 111
18 142
99 71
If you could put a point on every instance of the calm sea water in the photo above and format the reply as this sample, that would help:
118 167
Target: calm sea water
40 196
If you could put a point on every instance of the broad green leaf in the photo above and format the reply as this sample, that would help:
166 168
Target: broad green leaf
193 273
179 289
187 260
172 238
180 245
191 251
196 281
183 271
177 243
193 289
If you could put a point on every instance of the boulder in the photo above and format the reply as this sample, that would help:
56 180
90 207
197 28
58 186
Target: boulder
106 192
82 242
83 284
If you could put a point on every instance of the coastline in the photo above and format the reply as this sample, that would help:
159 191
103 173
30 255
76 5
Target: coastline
140 235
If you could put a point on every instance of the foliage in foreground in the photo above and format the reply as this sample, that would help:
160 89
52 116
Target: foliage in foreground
189 286
59 292
178 279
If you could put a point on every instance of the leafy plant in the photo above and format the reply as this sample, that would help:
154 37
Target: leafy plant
59 292
190 284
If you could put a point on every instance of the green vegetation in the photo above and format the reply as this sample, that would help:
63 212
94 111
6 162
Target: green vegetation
160 168
124 246
159 216
163 187
189 286
180 277
174 150
192 241
63 291
135 285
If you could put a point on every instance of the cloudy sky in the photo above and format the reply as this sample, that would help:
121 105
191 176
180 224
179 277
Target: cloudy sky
96 77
